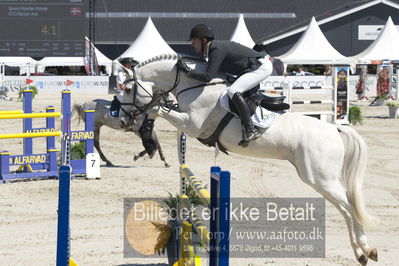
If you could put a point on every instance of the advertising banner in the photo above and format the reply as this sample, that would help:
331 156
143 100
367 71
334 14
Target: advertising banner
341 82
55 84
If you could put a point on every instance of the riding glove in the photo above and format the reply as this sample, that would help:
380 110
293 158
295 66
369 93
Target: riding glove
128 80
182 66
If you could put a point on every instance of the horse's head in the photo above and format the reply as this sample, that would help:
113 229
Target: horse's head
137 112
154 80
137 98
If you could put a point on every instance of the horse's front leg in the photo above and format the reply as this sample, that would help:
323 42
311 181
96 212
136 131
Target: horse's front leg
181 121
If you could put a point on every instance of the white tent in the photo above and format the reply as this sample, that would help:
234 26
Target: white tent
74 61
386 46
241 34
313 48
148 44
23 62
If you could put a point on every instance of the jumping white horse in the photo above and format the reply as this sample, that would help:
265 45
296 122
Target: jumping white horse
331 159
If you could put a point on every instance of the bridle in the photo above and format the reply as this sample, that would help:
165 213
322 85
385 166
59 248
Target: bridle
138 110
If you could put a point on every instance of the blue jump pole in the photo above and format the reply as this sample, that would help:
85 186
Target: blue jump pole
224 218
63 247
220 222
27 122
89 127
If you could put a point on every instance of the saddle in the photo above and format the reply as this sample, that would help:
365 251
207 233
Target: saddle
254 98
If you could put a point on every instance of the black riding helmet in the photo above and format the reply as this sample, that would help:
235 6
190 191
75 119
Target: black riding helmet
128 60
202 31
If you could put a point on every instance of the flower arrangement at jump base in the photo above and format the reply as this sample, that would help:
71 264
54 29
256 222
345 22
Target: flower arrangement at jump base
393 109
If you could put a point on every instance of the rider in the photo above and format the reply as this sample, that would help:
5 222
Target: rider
125 73
250 66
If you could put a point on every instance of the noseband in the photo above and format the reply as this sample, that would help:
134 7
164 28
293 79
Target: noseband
138 110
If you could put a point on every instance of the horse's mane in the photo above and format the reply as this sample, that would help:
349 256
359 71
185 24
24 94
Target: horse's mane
170 57
158 58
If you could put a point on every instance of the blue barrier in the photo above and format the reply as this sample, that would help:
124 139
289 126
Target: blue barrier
63 227
45 164
87 135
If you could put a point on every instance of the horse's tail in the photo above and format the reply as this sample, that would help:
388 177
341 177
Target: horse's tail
353 171
78 108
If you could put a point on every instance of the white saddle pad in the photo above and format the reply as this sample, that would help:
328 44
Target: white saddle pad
262 118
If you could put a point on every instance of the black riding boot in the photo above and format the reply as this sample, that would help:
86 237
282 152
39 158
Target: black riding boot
115 106
250 131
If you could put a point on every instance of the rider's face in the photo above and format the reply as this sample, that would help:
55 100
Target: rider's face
197 44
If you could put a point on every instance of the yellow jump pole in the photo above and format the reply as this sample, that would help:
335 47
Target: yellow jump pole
196 184
11 112
196 220
30 135
31 115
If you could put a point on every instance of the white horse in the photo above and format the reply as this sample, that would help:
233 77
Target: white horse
331 159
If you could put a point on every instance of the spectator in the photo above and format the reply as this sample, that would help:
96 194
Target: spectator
328 71
300 72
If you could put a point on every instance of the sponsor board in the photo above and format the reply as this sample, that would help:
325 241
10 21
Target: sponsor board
314 81
370 32
100 84
55 84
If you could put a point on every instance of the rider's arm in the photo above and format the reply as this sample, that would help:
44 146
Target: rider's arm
216 57
120 79
122 86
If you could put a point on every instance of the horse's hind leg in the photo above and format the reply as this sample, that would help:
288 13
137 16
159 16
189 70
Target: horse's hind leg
327 184
335 193
356 230
362 240
97 145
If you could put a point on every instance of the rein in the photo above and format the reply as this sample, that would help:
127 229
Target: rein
163 94
154 97
200 85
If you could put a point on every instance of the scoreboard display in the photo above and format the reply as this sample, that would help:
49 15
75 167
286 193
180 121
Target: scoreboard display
38 28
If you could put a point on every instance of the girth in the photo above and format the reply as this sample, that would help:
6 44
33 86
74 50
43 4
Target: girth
253 98
214 138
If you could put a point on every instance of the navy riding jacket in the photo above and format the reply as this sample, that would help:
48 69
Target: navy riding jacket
228 57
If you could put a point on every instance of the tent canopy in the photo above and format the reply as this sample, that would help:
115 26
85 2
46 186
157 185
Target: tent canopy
313 48
17 60
241 34
23 62
386 46
148 44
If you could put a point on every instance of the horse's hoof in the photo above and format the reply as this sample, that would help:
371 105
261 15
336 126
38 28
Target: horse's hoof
243 143
362 260
109 164
167 165
373 255
135 158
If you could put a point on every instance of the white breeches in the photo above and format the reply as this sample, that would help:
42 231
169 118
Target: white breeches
251 79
